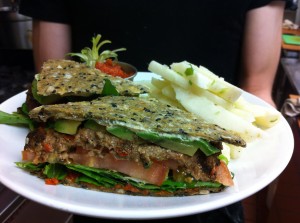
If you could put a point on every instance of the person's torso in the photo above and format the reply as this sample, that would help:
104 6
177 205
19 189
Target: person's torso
203 32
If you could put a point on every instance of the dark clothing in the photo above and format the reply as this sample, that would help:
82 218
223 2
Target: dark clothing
203 32
230 214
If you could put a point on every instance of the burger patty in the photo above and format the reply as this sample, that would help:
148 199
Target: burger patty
47 145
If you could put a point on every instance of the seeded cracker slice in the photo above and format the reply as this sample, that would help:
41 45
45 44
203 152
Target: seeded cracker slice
138 114
70 78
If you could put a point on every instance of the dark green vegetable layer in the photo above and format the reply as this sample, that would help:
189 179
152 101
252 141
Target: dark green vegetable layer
109 178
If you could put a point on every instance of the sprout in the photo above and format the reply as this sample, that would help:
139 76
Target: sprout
91 56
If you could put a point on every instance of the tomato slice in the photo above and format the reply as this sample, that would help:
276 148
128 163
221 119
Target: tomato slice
155 174
28 155
223 175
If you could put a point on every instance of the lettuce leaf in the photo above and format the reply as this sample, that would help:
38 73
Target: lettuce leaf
16 119
110 178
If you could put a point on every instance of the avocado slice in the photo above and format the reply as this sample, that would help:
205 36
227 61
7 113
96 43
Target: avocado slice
66 126
173 142
179 144
118 131
91 124
43 100
121 132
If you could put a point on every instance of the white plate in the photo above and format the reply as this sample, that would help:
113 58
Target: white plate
261 162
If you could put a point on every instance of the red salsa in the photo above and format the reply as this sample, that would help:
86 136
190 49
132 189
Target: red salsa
109 67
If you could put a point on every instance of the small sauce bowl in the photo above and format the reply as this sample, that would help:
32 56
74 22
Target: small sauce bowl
117 69
128 68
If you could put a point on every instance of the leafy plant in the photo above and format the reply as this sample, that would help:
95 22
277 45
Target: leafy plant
91 55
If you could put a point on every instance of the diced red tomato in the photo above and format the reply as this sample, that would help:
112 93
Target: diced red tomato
109 67
51 181
122 153
47 147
